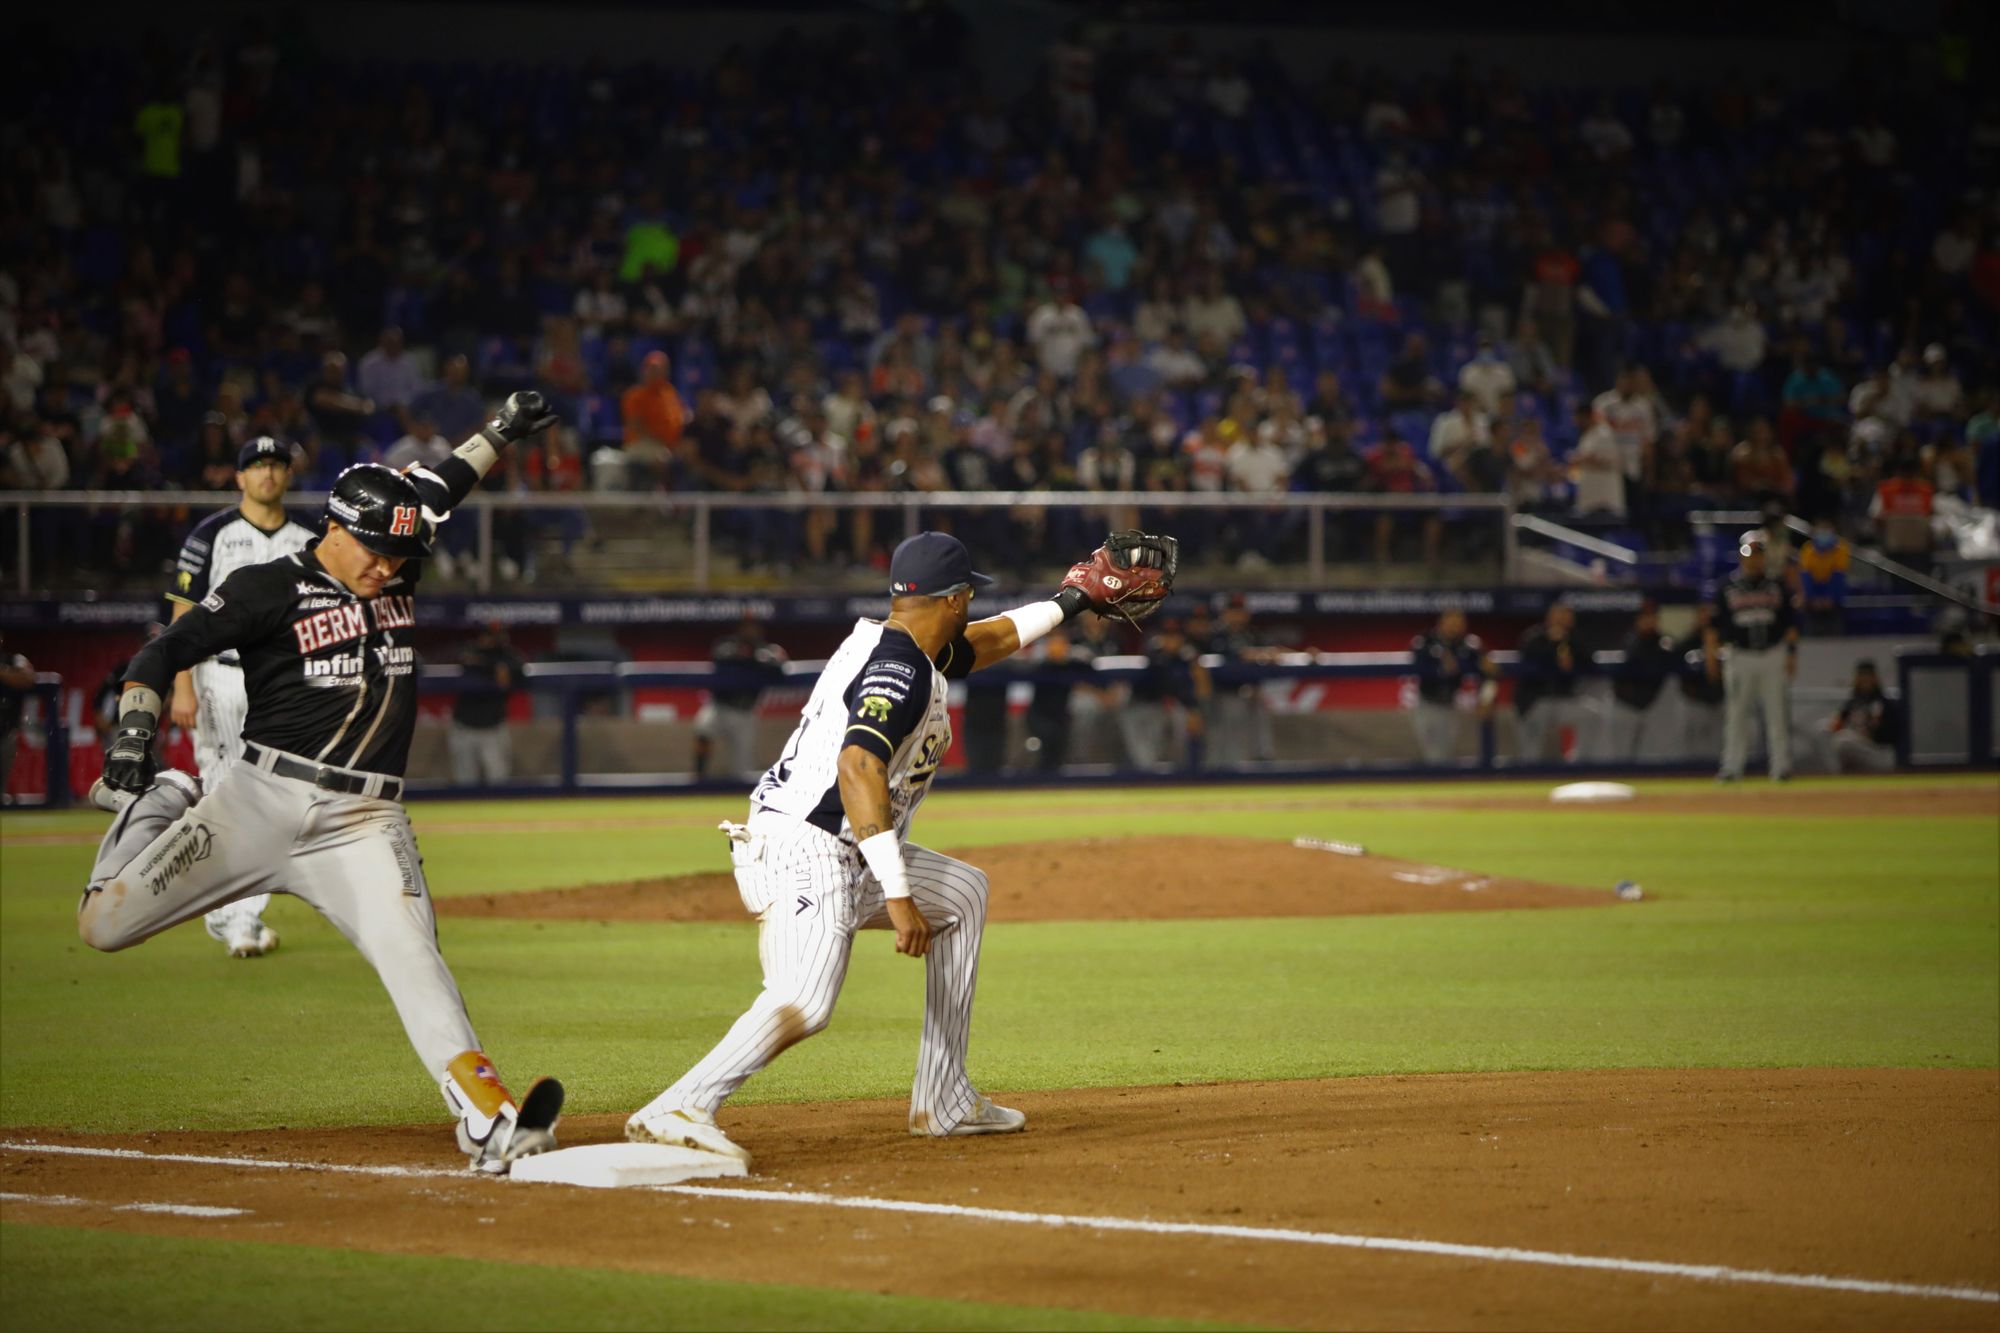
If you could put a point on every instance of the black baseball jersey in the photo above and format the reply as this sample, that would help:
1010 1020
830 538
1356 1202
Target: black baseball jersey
1753 613
743 654
1649 660
330 677
1445 665
1871 717
1546 668
1696 687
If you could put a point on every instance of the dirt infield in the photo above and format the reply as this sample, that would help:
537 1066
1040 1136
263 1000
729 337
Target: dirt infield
1156 879
1871 1174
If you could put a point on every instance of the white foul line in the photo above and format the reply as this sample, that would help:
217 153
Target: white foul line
176 1209
1504 1254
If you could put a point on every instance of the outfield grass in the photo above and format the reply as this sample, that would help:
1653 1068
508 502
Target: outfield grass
59 1278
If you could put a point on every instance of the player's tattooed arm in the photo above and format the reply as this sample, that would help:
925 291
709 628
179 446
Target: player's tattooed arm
864 792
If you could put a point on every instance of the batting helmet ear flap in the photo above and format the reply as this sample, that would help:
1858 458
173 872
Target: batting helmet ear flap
381 508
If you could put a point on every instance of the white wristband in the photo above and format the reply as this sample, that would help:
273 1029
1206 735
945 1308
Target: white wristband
1034 620
884 855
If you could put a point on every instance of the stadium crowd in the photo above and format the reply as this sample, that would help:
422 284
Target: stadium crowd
831 265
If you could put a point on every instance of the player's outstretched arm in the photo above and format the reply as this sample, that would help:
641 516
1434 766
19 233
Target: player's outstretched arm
524 414
1129 576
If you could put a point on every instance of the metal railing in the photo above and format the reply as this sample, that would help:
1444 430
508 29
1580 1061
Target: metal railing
702 508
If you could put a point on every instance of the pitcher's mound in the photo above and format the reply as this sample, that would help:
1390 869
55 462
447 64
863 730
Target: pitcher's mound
1104 879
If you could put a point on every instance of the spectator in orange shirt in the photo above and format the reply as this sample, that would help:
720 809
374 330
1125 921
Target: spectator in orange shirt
654 418
1902 510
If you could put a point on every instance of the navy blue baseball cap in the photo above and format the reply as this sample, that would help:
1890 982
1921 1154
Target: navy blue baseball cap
932 564
260 449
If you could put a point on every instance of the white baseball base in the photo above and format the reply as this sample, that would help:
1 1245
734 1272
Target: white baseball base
1591 793
610 1166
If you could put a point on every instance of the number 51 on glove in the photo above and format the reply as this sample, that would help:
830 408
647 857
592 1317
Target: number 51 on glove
1129 576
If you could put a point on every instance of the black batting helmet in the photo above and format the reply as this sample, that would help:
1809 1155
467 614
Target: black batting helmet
380 508
1751 542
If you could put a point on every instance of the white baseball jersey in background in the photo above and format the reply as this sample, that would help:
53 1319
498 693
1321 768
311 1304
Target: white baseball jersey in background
221 544
800 873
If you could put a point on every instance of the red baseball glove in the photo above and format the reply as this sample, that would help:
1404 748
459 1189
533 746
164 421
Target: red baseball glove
1129 576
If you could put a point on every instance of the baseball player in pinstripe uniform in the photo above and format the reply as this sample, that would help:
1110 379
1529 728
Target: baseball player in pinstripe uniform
824 852
208 700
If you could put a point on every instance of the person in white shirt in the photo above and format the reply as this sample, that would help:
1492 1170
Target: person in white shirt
1629 412
1059 332
600 308
1598 466
1215 313
1604 134
1176 362
1398 201
1936 393
36 460
421 447
1488 378
1257 464
1737 341
1458 432
389 375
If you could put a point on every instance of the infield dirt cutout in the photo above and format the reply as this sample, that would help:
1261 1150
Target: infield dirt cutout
1891 1175
1102 879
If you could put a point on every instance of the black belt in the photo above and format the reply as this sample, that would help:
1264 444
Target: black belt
343 780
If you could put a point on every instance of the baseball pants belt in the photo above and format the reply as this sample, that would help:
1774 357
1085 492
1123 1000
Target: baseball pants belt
347 781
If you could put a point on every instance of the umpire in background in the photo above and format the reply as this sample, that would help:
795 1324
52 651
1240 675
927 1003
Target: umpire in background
1650 661
1447 659
1545 688
482 748
1755 624
747 662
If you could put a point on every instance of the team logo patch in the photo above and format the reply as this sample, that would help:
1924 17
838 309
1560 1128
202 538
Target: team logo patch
184 581
875 707
404 522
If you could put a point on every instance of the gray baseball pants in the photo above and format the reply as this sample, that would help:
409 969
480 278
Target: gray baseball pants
354 858
1437 731
810 893
221 705
1752 683
1541 724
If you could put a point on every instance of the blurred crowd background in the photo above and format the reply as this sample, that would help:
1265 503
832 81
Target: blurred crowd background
837 261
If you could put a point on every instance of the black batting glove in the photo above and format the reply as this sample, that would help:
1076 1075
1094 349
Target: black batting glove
523 414
128 761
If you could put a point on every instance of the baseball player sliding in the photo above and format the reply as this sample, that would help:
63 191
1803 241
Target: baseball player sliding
313 807
208 699
824 852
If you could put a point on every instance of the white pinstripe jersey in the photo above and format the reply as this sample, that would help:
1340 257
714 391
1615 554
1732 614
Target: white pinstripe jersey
223 543
878 691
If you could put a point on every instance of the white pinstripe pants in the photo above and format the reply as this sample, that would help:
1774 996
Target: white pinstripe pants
810 892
